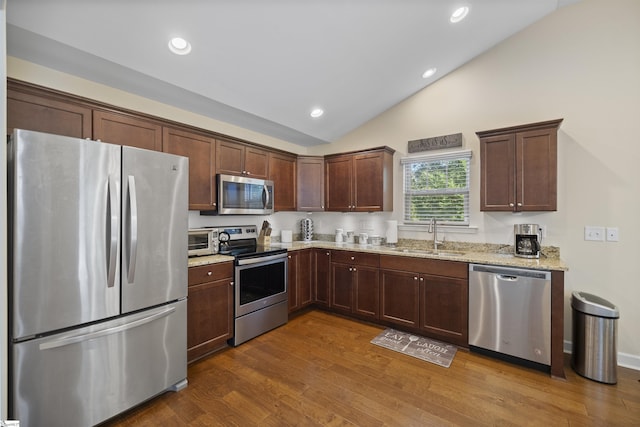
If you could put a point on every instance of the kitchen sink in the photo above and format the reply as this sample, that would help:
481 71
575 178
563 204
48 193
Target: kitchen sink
428 252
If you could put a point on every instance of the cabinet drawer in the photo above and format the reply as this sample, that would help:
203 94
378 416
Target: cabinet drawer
425 265
358 258
210 273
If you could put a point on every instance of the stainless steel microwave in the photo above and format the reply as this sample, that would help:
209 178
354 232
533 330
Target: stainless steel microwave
241 195
203 241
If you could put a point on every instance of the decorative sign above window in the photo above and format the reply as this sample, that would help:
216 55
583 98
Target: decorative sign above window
435 143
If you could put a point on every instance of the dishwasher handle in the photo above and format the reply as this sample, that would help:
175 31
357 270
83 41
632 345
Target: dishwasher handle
507 278
507 273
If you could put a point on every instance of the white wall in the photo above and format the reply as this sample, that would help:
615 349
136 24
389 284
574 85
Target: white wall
579 64
582 64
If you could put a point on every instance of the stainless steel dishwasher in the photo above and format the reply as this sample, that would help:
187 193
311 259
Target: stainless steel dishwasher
510 313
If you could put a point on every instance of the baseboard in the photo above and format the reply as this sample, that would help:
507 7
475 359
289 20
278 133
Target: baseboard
625 360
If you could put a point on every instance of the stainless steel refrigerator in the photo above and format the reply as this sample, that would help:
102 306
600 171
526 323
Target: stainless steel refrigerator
98 277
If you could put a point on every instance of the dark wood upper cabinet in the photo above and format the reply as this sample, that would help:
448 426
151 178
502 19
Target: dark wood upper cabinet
34 109
235 158
124 129
200 149
338 183
282 171
310 186
360 181
518 168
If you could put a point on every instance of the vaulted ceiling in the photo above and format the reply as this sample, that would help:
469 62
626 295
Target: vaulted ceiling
265 64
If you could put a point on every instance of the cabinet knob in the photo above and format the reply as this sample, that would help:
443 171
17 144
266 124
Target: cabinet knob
519 204
231 283
328 253
354 269
511 204
415 278
422 279
352 258
209 273
289 256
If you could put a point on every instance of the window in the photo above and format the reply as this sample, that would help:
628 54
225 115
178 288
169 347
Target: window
437 186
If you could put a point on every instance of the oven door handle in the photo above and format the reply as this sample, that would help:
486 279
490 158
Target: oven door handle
257 260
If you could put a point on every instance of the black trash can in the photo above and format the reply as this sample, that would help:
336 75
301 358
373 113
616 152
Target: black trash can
595 336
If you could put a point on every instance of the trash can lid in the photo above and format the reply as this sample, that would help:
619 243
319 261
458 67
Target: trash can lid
594 305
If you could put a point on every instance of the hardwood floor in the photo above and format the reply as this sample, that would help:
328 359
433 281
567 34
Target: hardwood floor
320 369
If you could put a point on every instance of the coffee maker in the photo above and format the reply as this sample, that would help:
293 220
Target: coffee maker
527 240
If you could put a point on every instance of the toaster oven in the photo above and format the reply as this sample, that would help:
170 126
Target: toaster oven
203 241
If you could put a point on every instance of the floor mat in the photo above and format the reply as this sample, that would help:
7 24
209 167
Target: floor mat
417 346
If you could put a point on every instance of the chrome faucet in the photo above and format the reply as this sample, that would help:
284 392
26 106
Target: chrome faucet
433 228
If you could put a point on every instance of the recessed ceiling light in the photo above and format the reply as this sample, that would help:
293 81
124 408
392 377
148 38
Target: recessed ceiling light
430 72
316 112
179 46
459 14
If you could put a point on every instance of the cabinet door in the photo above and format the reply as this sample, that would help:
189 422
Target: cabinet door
536 170
282 171
201 153
366 291
322 276
341 279
229 157
497 173
292 277
445 308
305 294
127 130
209 309
47 114
310 188
256 163
367 186
339 183
400 298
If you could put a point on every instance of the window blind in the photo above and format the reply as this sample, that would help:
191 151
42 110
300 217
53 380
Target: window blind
437 186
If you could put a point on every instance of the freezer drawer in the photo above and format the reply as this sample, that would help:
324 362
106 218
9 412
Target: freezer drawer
85 376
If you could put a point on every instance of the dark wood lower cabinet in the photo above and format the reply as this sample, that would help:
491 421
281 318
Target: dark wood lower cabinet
299 279
399 298
209 309
355 285
321 271
445 308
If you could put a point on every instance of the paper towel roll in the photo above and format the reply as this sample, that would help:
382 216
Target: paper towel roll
392 231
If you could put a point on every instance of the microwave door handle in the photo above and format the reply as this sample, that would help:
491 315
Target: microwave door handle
133 228
265 196
112 231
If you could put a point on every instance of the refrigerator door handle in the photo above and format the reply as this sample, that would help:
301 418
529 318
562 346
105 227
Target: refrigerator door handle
74 339
112 233
133 228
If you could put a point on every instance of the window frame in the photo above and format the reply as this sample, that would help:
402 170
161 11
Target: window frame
432 158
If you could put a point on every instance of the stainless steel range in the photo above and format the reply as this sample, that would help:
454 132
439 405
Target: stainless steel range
261 299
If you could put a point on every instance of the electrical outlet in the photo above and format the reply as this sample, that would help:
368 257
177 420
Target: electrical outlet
613 234
594 233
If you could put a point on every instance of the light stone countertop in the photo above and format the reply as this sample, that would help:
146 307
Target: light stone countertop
209 259
475 256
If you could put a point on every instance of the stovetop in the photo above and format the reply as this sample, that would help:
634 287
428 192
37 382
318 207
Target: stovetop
241 241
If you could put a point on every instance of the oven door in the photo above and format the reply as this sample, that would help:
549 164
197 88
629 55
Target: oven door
260 282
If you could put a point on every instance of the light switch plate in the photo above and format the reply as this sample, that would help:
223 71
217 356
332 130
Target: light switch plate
594 233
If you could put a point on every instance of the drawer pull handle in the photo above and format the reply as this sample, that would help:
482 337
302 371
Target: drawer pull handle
209 273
